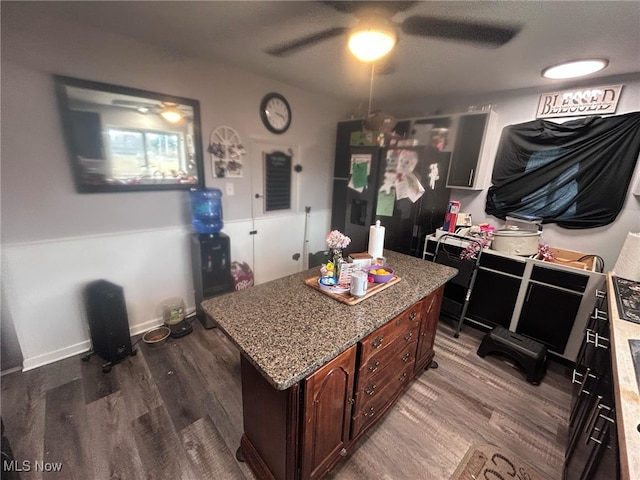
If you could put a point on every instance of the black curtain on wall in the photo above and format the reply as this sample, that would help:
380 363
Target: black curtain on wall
575 174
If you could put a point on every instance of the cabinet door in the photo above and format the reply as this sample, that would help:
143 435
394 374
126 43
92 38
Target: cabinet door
466 155
493 298
328 399
548 314
594 454
428 327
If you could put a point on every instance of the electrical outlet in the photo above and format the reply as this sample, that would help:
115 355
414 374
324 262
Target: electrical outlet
230 190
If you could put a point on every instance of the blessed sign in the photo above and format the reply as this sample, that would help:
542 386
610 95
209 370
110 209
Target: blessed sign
572 103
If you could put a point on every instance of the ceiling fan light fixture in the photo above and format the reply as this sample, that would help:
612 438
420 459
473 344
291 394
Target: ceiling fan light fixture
575 68
371 42
171 114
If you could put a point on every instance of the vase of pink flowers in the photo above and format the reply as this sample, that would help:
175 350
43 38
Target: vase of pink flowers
336 241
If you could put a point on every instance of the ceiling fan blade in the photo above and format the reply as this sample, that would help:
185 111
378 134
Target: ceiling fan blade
391 7
133 103
482 34
295 45
385 66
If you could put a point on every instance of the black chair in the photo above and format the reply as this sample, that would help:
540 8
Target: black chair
318 258
447 252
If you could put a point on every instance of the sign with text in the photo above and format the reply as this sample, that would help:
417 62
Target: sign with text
573 103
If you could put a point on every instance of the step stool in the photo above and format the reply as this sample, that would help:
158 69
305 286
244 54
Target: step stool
530 355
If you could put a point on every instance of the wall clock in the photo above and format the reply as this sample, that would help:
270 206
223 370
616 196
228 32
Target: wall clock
275 113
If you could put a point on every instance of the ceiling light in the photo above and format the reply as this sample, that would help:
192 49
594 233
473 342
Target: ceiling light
171 114
577 68
372 40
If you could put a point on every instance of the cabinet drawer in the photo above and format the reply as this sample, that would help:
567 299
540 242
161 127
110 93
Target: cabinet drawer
502 264
560 278
373 378
367 412
403 325
399 352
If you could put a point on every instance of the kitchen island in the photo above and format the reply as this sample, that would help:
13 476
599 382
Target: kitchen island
317 373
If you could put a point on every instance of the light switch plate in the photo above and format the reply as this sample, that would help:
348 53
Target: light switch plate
230 189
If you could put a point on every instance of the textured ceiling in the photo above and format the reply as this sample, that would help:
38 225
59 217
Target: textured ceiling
238 33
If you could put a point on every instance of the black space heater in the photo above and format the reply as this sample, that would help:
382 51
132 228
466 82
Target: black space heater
108 323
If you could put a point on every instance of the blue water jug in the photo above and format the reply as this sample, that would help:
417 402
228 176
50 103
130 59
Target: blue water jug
206 210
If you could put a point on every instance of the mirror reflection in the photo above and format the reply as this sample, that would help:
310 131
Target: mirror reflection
123 139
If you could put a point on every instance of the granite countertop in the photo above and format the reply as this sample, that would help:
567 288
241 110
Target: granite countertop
626 388
287 329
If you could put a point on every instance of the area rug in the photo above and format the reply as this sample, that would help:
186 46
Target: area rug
491 462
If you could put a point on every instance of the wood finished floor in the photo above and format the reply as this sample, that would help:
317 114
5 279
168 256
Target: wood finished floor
175 412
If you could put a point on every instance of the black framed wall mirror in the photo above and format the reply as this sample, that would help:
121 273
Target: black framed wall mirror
123 139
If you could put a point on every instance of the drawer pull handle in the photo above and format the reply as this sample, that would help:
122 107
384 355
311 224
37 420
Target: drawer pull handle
343 452
608 409
584 384
412 315
371 389
403 377
602 431
373 366
599 314
597 340
377 342
406 357
408 336
596 440
577 377
369 412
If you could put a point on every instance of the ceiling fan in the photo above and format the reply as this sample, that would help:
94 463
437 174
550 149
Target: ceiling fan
169 110
479 33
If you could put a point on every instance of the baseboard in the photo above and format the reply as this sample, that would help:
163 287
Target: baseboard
10 370
56 355
85 346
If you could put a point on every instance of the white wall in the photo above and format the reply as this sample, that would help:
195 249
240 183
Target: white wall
54 240
518 107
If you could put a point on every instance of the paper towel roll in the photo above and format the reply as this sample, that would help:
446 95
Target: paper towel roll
628 263
376 240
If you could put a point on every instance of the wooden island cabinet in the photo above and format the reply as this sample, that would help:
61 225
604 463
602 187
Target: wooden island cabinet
313 385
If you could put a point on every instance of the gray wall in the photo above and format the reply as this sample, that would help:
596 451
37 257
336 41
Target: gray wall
55 240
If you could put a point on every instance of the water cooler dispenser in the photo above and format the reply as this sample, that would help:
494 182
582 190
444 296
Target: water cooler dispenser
210 250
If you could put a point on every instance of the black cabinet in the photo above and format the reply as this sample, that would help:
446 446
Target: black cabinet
592 452
495 291
464 171
546 302
593 455
483 304
548 314
552 301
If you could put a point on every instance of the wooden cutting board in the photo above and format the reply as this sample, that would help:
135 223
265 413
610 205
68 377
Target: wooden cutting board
346 297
